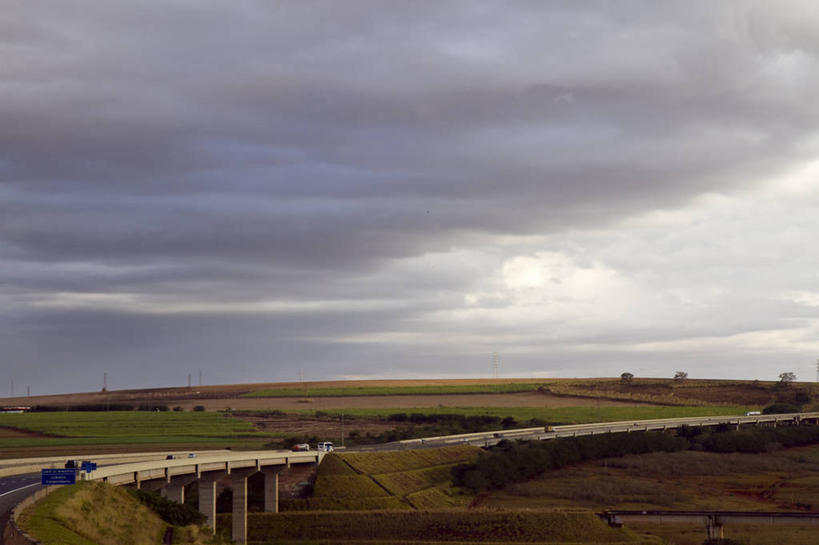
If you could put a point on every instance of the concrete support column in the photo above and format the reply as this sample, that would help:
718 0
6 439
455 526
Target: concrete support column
238 480
271 488
207 495
714 529
175 489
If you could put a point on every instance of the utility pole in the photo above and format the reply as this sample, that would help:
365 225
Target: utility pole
28 391
105 382
342 429
189 381
495 364
11 386
200 377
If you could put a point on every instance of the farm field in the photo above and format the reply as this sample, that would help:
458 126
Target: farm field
49 431
523 392
430 389
259 420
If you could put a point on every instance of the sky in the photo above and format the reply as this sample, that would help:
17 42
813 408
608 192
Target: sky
262 191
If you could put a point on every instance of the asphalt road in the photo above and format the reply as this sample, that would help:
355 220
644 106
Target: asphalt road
13 490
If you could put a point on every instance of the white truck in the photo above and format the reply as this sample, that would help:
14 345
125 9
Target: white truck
325 446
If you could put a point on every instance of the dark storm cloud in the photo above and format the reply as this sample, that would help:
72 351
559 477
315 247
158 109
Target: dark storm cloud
216 153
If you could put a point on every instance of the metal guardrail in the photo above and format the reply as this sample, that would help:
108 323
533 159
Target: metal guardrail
143 471
573 430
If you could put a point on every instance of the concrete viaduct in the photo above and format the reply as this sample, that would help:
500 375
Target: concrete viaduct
207 470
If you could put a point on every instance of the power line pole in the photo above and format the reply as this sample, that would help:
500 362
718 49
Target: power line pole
200 377
105 382
189 381
495 364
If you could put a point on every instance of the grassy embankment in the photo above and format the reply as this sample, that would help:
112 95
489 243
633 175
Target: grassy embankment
132 428
100 514
436 527
413 479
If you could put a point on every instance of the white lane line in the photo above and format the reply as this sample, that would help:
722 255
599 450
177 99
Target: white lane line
18 489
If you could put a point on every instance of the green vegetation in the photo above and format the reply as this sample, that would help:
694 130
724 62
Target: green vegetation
386 480
374 463
95 513
109 428
785 480
557 415
168 510
500 388
386 527
511 462
92 514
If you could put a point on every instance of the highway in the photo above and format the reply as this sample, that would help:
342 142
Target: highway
13 490
19 478
489 438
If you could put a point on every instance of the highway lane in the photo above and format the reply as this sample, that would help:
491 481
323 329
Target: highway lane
13 490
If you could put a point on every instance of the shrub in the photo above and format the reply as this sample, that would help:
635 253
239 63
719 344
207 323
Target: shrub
199 408
171 512
780 408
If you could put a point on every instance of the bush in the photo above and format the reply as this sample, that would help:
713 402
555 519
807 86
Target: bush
178 409
171 512
154 408
199 408
780 408
509 462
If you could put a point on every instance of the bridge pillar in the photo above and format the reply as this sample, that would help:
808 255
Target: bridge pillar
207 495
238 480
175 489
713 528
271 488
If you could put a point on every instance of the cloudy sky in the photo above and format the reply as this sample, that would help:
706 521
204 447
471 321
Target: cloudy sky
400 189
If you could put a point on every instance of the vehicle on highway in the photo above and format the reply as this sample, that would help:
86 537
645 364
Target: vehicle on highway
192 455
300 447
170 457
325 446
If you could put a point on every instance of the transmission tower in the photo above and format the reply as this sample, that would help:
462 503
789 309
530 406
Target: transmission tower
495 364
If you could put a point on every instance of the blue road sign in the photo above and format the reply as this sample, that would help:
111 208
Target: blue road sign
88 466
58 476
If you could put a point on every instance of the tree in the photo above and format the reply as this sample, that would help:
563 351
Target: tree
680 376
786 378
626 377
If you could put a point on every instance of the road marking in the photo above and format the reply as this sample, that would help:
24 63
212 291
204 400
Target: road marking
18 489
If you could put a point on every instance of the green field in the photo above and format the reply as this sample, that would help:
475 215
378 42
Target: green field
127 428
503 388
556 415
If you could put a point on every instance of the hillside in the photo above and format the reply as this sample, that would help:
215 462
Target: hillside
99 514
